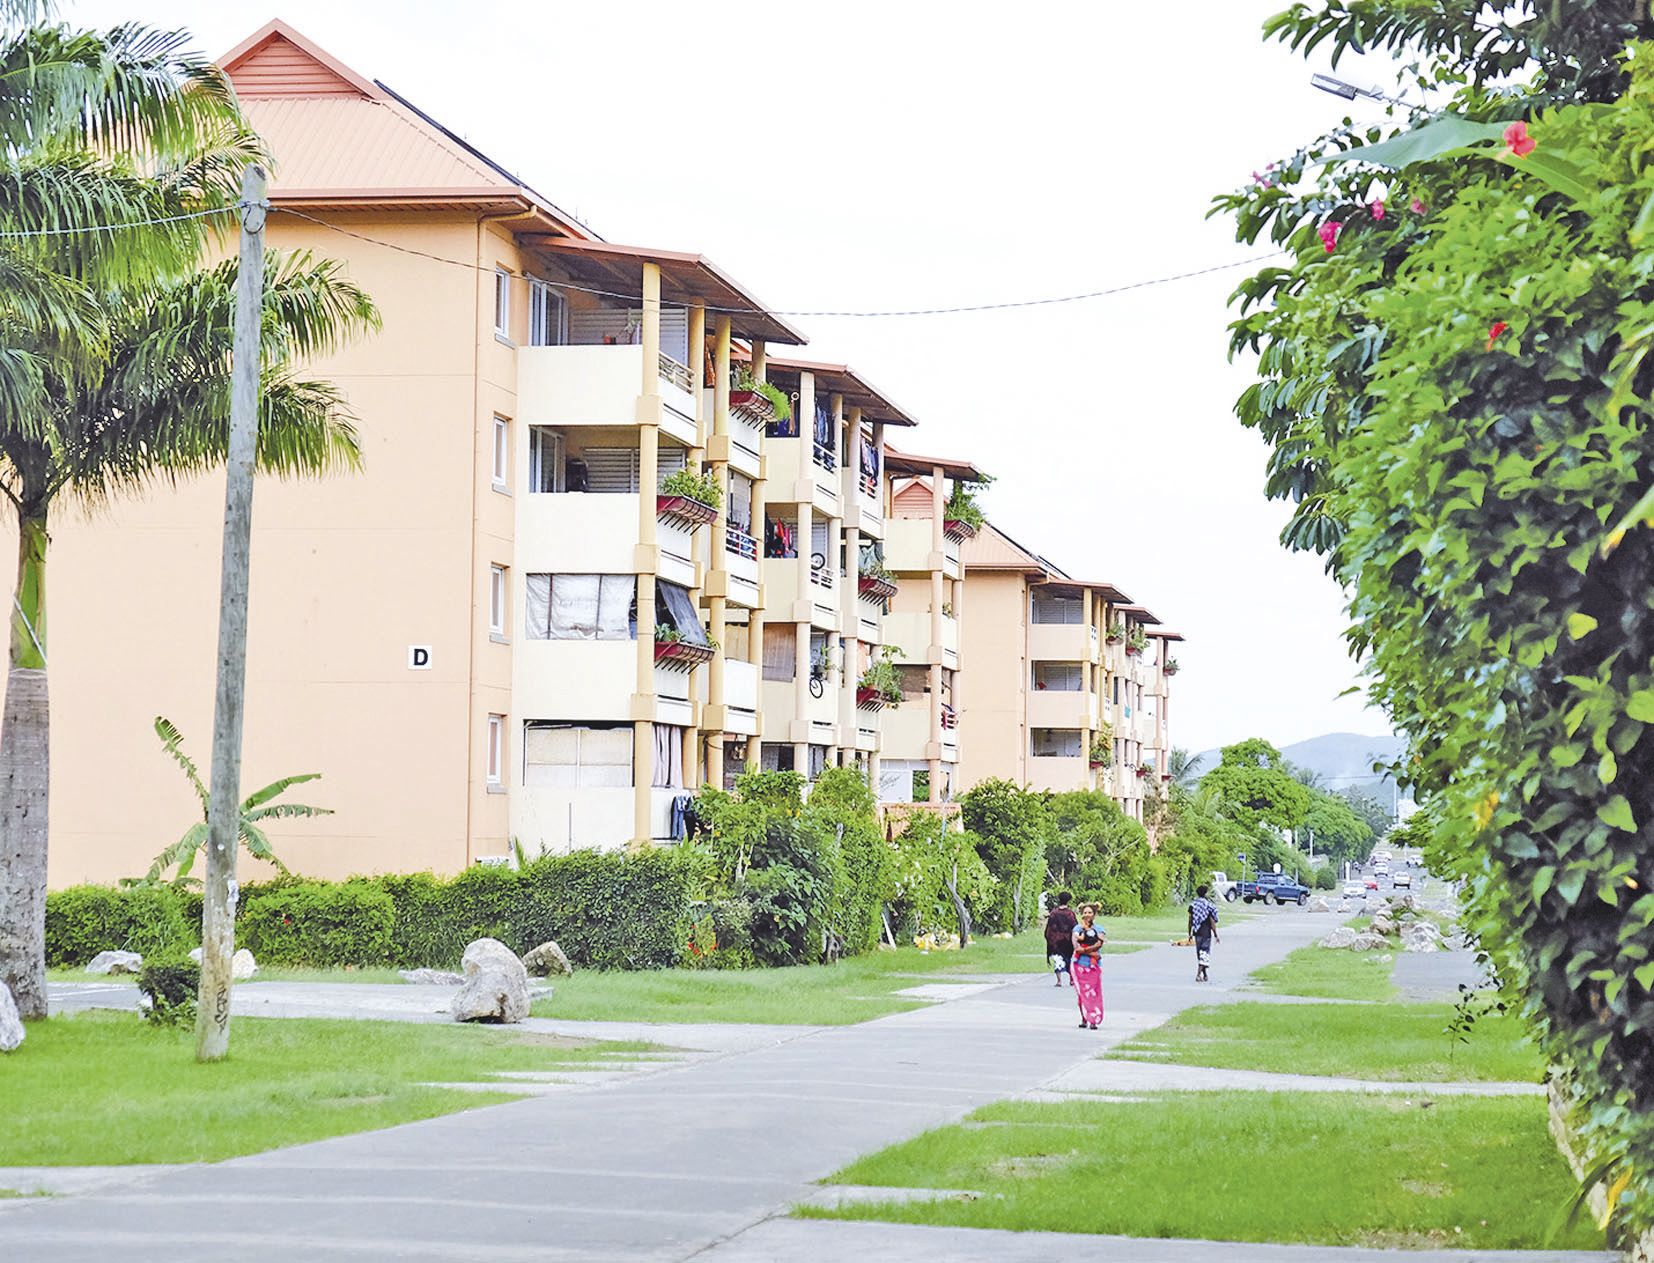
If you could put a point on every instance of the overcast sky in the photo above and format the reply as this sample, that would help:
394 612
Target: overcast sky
867 156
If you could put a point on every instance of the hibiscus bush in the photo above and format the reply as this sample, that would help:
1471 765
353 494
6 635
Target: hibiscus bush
1454 375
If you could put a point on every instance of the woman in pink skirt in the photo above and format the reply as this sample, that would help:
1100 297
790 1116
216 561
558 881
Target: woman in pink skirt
1087 970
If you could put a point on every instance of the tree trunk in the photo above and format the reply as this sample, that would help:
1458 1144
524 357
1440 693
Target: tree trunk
24 729
959 909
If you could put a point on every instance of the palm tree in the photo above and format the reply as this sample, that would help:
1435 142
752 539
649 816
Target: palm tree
114 351
1182 766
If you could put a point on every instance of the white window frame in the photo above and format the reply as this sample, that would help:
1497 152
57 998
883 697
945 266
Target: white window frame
498 600
543 440
496 750
502 303
548 314
502 453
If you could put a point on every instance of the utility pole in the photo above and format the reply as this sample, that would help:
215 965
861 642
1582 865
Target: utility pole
212 1019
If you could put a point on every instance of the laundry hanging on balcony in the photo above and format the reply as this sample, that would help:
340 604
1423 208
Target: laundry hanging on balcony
780 540
824 426
869 459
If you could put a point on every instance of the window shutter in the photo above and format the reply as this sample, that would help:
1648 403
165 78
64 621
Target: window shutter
611 470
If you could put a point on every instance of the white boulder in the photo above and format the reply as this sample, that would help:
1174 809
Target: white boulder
1320 904
11 1024
547 960
115 963
242 964
495 987
1343 936
1367 941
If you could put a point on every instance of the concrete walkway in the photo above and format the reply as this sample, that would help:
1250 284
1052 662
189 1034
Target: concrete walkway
671 1165
1125 1077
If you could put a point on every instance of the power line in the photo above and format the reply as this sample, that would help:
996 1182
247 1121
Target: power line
764 311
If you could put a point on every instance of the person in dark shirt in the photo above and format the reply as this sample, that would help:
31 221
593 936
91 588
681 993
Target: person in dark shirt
1203 929
1059 938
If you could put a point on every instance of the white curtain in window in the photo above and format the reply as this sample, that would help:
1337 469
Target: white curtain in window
606 757
668 773
614 606
537 606
574 606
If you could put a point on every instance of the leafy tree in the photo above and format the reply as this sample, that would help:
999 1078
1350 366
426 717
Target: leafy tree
1257 786
1373 813
1099 852
1012 830
257 807
1337 831
1456 393
940 877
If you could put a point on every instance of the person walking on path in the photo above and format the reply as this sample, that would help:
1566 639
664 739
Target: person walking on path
1203 929
1088 966
1059 938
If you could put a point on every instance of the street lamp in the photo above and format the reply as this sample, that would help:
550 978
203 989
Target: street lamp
1349 91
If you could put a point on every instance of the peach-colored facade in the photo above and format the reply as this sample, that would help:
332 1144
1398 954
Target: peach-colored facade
417 633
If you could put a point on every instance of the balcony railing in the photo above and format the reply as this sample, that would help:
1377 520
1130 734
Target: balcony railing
823 456
676 373
950 718
869 484
822 577
740 543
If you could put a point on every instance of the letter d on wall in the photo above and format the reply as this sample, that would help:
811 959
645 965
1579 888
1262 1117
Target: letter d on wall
419 657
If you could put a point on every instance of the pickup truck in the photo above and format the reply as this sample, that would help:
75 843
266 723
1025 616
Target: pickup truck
1276 886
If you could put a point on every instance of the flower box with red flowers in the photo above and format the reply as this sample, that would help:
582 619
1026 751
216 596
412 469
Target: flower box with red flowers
876 587
869 698
690 512
679 655
958 530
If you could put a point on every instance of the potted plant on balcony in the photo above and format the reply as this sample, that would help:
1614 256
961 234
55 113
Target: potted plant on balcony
763 402
1102 746
690 498
675 653
1144 769
1136 641
1116 632
1171 667
961 517
874 581
881 684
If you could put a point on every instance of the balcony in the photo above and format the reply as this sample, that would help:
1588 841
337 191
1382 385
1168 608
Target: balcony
1060 642
574 680
1049 708
579 532
824 457
599 385
567 819
1059 774
740 543
799 476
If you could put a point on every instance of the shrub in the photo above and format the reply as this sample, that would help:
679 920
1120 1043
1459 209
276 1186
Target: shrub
317 924
171 987
1013 827
82 921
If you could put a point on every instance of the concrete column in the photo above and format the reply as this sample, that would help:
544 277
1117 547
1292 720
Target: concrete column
643 730
697 377
755 625
801 684
718 606
938 543
651 329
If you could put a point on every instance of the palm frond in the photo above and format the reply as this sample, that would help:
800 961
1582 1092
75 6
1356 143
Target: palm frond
258 846
172 742
181 854
287 811
259 797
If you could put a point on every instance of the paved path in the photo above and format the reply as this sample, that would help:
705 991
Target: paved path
1153 1076
688 1162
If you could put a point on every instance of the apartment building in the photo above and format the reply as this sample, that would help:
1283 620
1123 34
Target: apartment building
922 553
1066 690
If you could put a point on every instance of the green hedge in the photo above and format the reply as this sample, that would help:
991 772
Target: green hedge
607 910
317 924
82 921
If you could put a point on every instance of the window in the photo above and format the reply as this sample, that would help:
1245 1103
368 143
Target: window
581 607
502 453
915 681
668 764
1055 743
1058 609
548 315
545 459
1058 677
496 749
502 303
668 461
496 601
575 756
675 609
780 653
605 470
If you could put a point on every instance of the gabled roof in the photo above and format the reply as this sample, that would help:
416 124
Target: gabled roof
340 139
993 549
923 466
841 379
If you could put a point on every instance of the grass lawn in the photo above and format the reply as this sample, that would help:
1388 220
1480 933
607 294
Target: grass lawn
1330 974
1368 1171
103 1088
854 990
274 973
1392 1042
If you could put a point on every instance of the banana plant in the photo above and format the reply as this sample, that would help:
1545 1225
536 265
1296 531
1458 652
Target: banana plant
255 808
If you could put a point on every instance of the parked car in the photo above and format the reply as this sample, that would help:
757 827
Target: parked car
1222 886
1371 883
1354 890
1276 886
1403 880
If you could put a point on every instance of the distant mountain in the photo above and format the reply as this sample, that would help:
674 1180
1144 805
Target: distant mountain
1342 759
